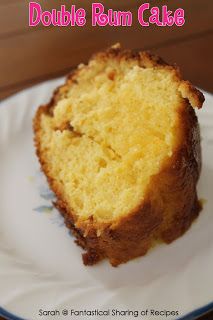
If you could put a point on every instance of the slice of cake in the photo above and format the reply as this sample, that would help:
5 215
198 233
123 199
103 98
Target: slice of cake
120 146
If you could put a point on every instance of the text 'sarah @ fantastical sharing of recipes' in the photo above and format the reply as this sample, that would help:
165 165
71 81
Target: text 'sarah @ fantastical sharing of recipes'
142 314
100 17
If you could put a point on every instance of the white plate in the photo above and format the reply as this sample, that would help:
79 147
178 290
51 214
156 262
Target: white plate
41 267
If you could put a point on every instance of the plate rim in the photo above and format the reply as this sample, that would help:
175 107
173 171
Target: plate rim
189 316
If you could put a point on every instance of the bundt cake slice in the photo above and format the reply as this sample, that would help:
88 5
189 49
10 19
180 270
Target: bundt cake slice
120 146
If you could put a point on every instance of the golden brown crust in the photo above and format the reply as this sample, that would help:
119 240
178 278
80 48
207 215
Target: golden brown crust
171 202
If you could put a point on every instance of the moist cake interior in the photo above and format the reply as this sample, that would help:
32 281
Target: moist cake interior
109 134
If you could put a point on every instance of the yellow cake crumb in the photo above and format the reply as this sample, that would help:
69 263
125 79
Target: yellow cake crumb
121 128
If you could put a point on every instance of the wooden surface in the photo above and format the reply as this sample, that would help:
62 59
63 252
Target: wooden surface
31 55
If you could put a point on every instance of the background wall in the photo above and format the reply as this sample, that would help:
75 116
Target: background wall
30 55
